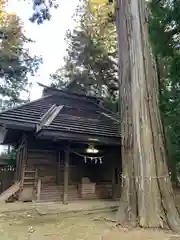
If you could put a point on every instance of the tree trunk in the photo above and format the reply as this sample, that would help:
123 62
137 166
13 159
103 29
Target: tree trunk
147 195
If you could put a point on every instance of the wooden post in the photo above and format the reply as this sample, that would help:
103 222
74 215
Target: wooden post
23 159
66 175
113 184
17 167
38 189
20 165
24 153
58 167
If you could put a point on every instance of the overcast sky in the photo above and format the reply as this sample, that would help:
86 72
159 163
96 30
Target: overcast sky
49 37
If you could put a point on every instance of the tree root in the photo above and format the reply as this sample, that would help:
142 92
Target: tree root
116 222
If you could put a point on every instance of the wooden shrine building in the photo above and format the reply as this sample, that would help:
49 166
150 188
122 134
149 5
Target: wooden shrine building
68 148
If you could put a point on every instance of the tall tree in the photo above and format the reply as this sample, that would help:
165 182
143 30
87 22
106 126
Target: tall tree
91 62
16 64
147 195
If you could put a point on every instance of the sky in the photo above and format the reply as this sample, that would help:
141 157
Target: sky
48 37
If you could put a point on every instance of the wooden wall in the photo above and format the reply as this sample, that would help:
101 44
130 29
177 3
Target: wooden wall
47 162
6 180
45 157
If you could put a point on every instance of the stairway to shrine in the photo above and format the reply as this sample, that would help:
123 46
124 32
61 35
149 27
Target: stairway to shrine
52 193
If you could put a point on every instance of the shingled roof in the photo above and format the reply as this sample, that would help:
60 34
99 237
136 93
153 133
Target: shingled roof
59 112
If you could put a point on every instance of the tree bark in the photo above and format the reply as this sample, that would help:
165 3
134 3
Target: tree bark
147 195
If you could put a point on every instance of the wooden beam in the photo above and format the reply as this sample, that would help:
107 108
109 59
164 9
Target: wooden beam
20 124
78 137
45 117
49 116
10 191
66 176
53 115
110 117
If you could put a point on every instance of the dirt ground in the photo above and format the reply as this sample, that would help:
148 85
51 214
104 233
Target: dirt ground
32 226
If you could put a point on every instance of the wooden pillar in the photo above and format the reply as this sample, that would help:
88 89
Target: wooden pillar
38 189
58 167
20 165
113 184
22 159
17 167
66 175
22 155
25 161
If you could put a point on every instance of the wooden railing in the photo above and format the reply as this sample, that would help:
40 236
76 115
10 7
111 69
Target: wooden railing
10 191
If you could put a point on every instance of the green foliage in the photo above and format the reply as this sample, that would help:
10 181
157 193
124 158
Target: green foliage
165 37
15 61
10 157
41 10
91 62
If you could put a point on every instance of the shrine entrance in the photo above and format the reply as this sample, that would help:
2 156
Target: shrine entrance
98 175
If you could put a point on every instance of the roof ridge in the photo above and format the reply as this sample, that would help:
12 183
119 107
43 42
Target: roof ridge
25 104
65 90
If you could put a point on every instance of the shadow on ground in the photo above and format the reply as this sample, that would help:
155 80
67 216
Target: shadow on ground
42 222
77 226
